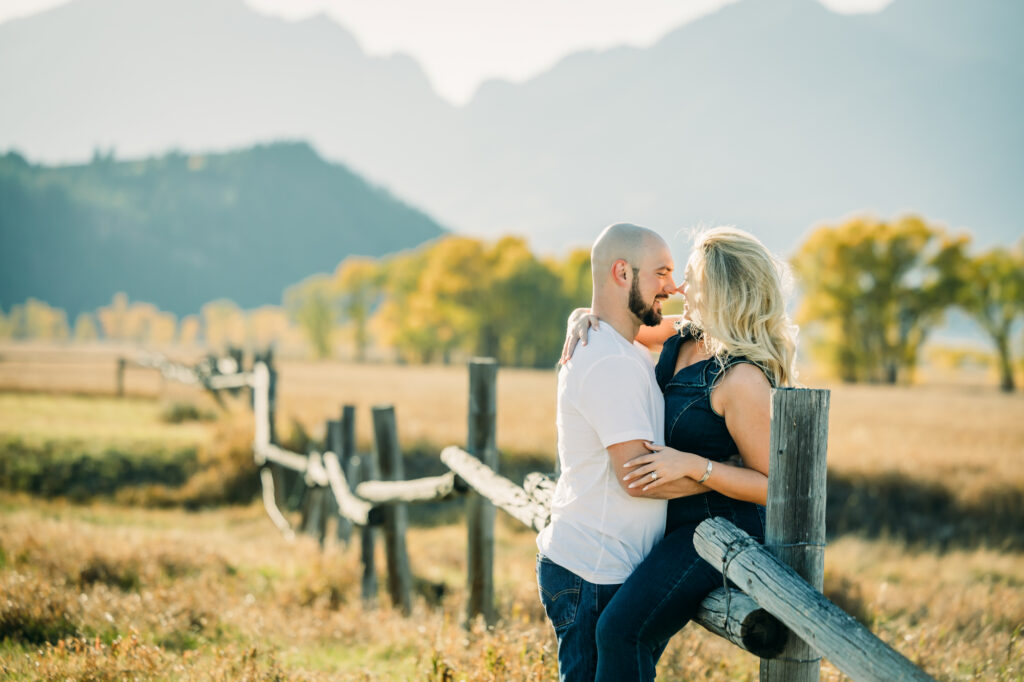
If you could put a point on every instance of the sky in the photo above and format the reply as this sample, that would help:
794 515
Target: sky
461 43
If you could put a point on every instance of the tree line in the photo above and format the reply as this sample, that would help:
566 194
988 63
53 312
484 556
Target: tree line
873 290
870 293
454 295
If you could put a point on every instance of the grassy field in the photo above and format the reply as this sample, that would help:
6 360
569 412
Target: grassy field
926 521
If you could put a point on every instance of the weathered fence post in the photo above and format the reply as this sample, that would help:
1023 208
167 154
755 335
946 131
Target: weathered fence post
261 404
268 358
120 377
261 439
348 435
266 414
335 438
483 374
236 354
314 506
804 609
795 531
389 459
361 468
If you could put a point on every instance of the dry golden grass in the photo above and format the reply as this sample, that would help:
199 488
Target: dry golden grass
158 591
218 594
938 432
430 402
100 421
87 369
965 438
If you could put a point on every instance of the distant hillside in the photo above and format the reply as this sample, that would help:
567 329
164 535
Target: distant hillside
771 114
182 230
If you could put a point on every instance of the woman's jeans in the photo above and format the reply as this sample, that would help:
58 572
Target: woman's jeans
573 606
665 590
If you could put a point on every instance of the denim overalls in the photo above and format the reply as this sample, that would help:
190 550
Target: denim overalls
692 425
663 593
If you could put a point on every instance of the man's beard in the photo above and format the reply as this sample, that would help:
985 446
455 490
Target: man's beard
647 315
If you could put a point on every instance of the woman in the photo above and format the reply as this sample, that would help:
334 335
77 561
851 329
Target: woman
717 368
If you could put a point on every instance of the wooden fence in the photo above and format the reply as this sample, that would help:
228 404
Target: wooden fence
778 613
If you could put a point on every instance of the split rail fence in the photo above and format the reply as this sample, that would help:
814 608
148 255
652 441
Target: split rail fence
775 610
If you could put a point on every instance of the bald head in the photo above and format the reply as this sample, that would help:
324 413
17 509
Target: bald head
622 241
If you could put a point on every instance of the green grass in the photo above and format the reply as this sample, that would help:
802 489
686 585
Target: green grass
128 424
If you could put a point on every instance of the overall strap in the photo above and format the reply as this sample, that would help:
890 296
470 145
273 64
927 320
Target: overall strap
717 367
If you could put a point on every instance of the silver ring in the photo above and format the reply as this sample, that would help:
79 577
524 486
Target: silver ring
654 475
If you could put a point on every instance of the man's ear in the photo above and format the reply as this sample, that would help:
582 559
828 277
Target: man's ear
620 272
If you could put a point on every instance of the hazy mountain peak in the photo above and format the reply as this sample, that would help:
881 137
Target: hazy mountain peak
773 114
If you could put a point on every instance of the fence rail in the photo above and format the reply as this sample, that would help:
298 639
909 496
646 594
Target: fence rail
780 615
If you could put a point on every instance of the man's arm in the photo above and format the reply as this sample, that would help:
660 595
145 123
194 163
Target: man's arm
620 453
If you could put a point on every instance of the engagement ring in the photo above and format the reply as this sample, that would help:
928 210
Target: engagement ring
654 475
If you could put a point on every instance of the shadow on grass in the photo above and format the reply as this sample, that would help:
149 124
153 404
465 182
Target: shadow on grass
928 515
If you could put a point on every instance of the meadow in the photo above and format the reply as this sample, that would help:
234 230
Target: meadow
151 581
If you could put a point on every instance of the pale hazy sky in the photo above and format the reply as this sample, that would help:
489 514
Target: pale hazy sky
460 43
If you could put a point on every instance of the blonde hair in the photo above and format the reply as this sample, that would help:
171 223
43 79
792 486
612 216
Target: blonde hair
740 298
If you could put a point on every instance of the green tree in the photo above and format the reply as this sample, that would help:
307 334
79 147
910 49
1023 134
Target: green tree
35 319
114 317
451 293
85 328
408 319
991 291
358 283
461 294
526 305
188 332
223 323
875 289
312 303
577 282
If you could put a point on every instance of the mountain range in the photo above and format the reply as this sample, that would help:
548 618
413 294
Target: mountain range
181 230
770 114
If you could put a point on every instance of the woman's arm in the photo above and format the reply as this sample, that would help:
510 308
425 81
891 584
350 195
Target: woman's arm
654 337
581 320
743 398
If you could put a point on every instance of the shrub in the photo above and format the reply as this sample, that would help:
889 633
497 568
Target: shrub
178 412
62 468
34 611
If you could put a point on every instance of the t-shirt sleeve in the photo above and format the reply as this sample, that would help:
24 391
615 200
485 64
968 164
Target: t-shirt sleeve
614 399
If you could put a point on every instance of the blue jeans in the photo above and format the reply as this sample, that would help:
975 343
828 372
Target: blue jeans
665 590
573 606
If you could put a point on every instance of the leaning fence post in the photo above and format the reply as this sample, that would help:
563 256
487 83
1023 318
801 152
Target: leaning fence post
795 530
483 373
389 458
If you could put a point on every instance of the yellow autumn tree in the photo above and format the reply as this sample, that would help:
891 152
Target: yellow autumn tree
358 284
873 290
991 291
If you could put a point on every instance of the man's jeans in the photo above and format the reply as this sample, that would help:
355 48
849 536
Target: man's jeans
573 606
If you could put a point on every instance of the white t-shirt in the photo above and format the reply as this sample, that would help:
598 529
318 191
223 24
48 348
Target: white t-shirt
607 394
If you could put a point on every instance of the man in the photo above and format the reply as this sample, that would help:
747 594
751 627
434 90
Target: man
609 403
